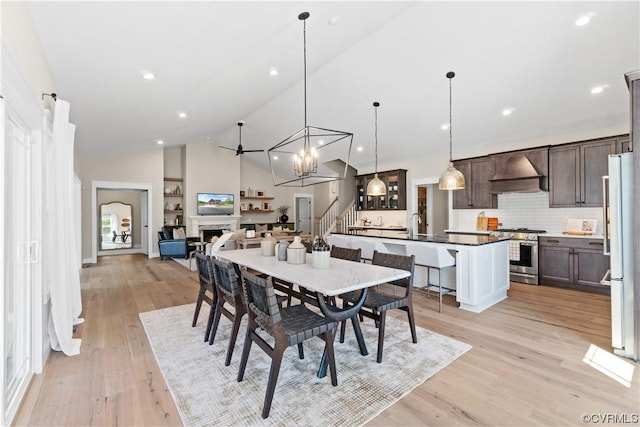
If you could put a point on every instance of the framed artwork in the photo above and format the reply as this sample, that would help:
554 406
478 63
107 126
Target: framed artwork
243 206
260 193
241 193
265 206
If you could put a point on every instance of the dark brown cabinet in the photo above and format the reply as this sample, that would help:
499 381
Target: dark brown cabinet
396 197
576 172
576 263
477 191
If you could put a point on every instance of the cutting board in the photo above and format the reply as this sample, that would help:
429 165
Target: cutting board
577 233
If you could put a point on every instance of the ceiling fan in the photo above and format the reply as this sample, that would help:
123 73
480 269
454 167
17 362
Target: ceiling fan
241 150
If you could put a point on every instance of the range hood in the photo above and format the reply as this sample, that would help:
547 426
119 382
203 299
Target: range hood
520 172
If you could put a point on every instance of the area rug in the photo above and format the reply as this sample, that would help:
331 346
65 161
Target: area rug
207 393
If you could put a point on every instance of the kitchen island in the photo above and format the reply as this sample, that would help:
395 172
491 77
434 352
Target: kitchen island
482 262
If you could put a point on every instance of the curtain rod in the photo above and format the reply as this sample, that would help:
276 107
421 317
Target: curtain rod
52 94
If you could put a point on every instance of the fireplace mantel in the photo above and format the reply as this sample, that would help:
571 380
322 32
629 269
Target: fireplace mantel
223 222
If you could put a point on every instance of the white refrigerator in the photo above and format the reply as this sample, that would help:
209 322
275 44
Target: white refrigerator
618 243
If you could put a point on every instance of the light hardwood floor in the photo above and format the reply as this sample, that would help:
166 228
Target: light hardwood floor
525 367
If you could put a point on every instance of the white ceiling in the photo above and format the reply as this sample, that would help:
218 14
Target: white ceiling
212 61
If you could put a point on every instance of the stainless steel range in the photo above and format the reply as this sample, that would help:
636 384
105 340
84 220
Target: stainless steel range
523 254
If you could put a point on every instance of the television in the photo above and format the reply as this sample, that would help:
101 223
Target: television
215 204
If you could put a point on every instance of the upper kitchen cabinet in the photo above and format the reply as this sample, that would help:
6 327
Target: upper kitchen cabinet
576 172
477 190
396 197
623 145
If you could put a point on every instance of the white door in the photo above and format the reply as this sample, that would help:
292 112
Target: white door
17 326
303 215
144 228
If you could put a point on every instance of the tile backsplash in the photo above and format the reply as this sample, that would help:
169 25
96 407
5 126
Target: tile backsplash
529 210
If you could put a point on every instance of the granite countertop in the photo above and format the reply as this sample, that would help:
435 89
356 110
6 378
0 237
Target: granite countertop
452 239
572 236
378 227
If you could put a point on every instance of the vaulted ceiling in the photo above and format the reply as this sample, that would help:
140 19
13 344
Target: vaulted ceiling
212 60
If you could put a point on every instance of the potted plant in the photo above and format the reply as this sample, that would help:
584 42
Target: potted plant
283 213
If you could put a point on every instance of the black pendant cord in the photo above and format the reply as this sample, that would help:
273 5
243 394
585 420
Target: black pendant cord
450 76
304 37
376 105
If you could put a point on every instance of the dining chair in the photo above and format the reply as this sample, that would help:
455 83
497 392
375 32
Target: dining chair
346 253
288 326
207 283
378 301
229 292
436 258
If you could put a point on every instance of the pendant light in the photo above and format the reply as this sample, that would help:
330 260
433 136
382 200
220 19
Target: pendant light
308 146
376 187
452 178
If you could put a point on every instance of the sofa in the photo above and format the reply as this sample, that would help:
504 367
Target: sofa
173 243
260 229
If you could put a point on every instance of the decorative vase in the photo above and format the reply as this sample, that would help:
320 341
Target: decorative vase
268 245
284 218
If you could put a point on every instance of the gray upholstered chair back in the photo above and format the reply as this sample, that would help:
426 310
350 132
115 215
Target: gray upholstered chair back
261 300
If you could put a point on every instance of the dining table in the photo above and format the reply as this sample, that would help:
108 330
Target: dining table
341 277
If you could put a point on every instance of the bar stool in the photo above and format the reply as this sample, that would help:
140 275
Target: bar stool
437 258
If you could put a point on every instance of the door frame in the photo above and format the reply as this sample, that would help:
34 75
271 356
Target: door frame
114 185
426 181
309 196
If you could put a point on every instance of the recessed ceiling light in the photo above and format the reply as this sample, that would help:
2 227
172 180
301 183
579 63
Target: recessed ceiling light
360 148
584 19
507 111
597 89
334 20
275 157
182 114
445 126
273 71
320 142
159 142
147 75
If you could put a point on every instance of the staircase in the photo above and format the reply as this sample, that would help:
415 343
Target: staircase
333 221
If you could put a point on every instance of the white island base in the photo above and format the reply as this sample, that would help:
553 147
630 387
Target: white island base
481 273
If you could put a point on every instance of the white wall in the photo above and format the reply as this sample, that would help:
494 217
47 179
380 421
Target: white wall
143 167
529 210
260 179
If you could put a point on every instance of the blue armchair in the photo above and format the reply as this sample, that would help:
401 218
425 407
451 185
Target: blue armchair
175 248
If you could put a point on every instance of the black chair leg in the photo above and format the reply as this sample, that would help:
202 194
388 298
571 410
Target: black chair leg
198 305
232 338
212 313
300 351
248 340
328 338
412 324
276 361
383 316
216 320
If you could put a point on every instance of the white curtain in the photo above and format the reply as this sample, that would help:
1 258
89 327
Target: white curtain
62 271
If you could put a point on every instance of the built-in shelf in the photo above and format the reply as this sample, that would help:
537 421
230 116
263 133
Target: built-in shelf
255 198
171 211
255 211
173 179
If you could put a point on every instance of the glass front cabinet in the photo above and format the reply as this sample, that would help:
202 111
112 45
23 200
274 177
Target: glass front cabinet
396 197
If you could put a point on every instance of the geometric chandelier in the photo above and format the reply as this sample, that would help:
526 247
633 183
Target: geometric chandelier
312 155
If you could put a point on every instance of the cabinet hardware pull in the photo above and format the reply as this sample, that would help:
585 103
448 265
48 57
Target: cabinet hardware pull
553 241
596 243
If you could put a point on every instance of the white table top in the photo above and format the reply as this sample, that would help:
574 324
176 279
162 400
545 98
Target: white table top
342 276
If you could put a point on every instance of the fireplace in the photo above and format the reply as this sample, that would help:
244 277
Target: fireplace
207 234
213 224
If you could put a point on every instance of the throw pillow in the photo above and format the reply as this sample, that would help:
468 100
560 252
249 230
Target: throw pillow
178 233
213 239
277 229
261 227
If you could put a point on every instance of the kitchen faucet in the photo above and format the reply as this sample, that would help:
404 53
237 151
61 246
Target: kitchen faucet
410 230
